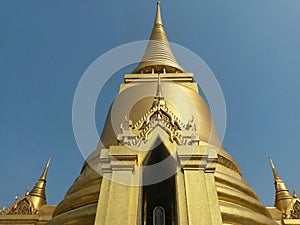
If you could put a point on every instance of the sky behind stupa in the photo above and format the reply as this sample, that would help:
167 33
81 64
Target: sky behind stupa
253 48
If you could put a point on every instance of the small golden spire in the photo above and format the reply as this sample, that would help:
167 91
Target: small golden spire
158 99
38 193
158 56
282 195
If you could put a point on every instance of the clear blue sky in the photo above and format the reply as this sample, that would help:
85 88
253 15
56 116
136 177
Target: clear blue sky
253 48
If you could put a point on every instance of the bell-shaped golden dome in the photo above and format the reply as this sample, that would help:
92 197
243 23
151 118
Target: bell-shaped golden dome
238 202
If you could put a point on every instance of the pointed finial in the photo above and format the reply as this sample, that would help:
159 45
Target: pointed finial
44 175
282 195
276 177
158 99
158 91
158 19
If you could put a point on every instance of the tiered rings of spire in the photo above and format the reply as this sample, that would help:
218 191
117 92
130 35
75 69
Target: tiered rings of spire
158 57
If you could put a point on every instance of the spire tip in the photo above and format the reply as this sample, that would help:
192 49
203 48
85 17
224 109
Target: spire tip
276 177
44 175
49 160
158 19
271 162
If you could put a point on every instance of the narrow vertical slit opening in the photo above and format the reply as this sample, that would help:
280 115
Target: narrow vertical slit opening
159 199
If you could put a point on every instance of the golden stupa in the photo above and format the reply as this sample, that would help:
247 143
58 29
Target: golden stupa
170 123
208 188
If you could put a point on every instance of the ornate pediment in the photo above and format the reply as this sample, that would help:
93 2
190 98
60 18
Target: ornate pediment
22 206
159 115
295 211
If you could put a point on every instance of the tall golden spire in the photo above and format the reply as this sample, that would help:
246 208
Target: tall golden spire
158 56
282 195
38 193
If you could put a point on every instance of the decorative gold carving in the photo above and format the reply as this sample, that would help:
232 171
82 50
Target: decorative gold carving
159 115
295 214
20 207
31 202
227 163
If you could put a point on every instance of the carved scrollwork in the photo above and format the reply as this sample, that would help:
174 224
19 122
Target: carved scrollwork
20 207
158 115
182 134
295 214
